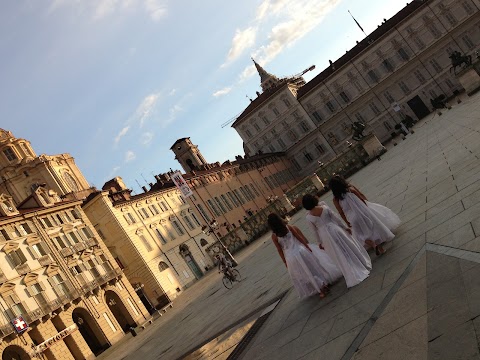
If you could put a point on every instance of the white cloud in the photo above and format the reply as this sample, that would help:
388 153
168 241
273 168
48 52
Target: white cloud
121 134
242 40
99 9
146 108
156 9
222 92
129 156
172 92
294 20
147 138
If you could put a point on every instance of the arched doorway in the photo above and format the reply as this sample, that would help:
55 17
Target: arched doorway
118 309
14 352
189 259
90 331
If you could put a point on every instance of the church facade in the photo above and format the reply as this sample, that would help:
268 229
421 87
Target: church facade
62 294
394 72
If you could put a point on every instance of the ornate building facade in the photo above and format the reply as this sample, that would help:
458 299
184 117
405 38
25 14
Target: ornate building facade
62 294
404 62
155 237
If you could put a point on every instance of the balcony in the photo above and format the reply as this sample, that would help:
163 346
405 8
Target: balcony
23 269
92 242
66 251
45 260
80 246
89 286
6 330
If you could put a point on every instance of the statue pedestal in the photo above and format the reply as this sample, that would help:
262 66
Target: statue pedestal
470 78
372 145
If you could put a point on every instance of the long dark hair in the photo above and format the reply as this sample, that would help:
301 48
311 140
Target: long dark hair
339 186
277 225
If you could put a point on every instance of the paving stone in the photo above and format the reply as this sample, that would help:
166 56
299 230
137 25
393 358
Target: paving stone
458 237
408 342
458 343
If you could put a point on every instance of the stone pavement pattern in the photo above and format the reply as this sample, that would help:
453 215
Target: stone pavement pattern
422 299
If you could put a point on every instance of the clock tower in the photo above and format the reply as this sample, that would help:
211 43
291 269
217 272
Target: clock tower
188 155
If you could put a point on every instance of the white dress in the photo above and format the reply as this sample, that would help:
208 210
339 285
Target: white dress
309 270
364 221
385 215
349 256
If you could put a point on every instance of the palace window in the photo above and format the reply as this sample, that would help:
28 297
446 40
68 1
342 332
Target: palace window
37 250
219 203
276 112
374 108
145 242
271 148
404 87
281 143
265 120
344 97
178 228
418 74
357 86
450 18
129 218
467 7
213 207
194 217
10 154
418 42
387 126
153 209
436 66
449 83
389 97
287 103
388 65
16 257
58 284
373 76
359 117
163 266
468 42
296 165
248 133
330 106
160 236
304 126
403 54
319 148
226 202
202 211
14 305
317 117
292 135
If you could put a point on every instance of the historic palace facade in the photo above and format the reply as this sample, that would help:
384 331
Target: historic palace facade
62 294
394 72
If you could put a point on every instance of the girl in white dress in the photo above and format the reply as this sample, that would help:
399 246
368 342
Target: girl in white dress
350 257
370 222
310 269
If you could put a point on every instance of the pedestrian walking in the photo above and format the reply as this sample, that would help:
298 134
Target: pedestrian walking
371 223
310 268
335 237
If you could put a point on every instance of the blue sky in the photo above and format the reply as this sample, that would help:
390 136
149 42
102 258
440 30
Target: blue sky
116 82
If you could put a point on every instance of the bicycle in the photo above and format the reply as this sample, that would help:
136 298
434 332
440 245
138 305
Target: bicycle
228 279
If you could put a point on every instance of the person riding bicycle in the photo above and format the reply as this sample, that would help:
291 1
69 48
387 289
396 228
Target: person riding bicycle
224 265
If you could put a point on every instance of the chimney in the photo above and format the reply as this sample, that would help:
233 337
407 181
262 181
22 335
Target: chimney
144 189
151 185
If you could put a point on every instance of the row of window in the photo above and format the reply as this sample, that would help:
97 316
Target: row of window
232 199
165 233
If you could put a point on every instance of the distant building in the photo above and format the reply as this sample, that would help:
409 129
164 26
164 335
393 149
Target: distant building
404 62
155 237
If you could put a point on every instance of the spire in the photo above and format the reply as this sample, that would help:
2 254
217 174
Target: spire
267 80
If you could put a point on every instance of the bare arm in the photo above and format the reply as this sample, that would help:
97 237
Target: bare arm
279 248
299 236
358 194
340 211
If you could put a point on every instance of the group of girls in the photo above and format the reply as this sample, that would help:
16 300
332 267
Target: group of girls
341 249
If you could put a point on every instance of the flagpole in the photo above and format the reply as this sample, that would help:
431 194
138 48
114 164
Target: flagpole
356 22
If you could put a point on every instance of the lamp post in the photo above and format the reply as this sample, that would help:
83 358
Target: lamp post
210 229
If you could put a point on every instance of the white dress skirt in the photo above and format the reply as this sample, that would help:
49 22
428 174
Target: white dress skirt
364 221
385 215
309 270
350 257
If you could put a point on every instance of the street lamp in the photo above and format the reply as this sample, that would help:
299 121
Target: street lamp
209 229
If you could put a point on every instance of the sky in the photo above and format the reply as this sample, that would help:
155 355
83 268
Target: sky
116 82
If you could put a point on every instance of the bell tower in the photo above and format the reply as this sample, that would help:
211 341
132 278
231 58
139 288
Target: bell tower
188 155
